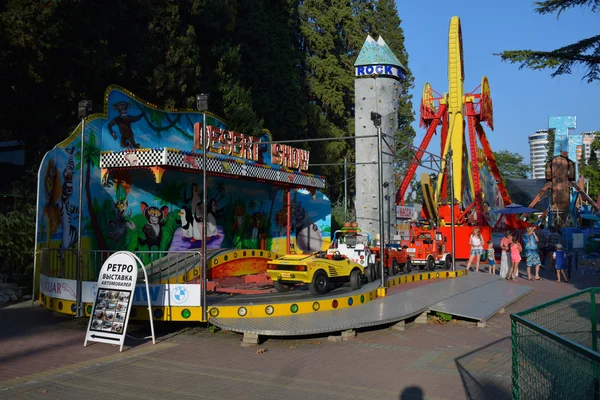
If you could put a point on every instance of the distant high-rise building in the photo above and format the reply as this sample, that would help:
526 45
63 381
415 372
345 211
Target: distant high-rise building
588 138
538 150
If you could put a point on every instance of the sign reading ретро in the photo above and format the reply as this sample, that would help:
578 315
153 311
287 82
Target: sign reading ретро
112 305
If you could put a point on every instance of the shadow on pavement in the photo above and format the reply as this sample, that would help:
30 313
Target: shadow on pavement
22 319
26 331
480 377
412 393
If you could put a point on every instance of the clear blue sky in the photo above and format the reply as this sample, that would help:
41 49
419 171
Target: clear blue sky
523 99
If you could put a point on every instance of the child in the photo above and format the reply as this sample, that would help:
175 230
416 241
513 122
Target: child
491 258
476 242
559 258
515 256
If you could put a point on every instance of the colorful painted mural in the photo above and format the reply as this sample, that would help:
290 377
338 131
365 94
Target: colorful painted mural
131 210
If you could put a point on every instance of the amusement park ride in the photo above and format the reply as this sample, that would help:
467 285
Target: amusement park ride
134 194
454 111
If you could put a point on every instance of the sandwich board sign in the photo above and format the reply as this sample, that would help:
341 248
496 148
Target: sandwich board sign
114 297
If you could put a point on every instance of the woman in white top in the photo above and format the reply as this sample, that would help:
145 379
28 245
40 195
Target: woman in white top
476 242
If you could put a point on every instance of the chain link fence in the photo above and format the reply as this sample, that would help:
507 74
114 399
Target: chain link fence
554 348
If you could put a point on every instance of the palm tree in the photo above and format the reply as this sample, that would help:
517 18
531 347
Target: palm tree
91 158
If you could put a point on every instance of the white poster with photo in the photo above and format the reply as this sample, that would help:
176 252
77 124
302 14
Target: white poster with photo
114 296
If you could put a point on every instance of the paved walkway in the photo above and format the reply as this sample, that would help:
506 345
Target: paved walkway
42 357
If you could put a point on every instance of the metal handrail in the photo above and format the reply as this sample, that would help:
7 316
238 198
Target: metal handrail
169 266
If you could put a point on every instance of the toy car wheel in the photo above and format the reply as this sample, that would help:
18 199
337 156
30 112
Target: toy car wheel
448 262
430 263
408 265
394 267
320 283
281 287
378 270
355 279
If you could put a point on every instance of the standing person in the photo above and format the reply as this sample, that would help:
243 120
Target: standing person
553 239
543 245
476 242
532 253
559 258
491 257
515 256
505 262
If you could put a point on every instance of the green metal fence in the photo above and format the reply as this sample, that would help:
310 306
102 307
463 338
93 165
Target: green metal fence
554 349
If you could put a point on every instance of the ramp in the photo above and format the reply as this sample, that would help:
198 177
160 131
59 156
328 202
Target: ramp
483 302
390 309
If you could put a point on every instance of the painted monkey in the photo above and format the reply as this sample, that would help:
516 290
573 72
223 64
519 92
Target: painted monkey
124 121
153 229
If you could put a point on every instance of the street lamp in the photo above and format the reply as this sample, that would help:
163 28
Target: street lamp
387 196
376 118
202 106
84 108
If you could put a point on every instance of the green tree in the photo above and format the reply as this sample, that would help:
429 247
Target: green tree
270 52
591 171
286 66
330 42
380 18
585 52
511 165
332 36
551 133
415 196
17 231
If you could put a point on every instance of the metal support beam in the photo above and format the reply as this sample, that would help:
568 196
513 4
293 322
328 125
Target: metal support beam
288 211
204 205
381 212
472 121
345 189
78 300
420 152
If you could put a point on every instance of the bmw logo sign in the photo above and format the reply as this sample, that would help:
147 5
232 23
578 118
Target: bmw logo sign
179 294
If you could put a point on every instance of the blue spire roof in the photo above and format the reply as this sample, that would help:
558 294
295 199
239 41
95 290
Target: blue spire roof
377 52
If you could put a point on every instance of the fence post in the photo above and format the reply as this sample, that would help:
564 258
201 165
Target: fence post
515 360
594 330
594 339
79 285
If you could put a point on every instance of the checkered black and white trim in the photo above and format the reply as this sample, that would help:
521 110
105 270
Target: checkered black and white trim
216 165
132 158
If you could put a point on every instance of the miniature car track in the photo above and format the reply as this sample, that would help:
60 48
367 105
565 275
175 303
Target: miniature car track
299 294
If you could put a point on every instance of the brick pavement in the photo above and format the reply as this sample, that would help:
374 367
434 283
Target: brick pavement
42 357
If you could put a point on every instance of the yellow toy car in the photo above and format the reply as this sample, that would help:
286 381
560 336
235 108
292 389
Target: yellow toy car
321 271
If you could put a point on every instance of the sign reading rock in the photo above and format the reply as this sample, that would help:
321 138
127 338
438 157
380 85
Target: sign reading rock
114 295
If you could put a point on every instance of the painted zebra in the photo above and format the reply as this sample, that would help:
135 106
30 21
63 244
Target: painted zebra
68 212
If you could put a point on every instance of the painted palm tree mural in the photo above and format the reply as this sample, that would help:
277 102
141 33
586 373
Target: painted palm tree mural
91 159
